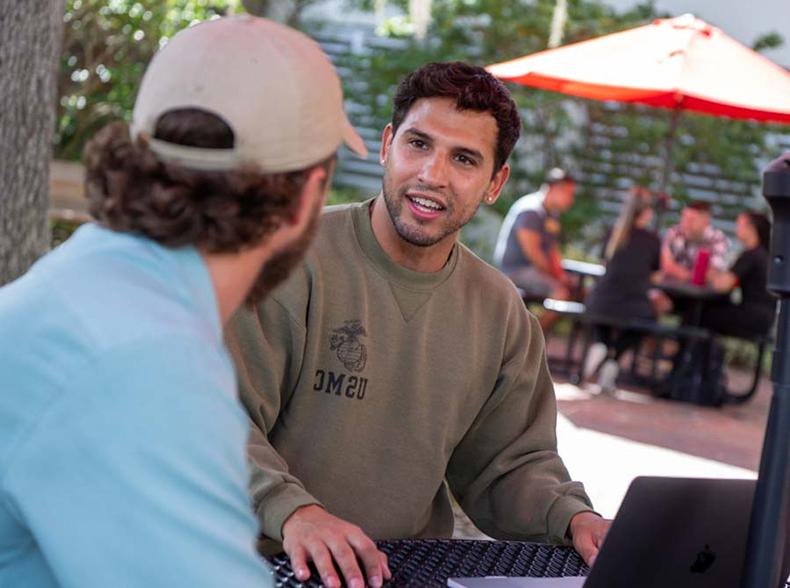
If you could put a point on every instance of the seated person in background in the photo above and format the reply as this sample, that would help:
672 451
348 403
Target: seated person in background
631 254
122 439
757 309
395 366
527 249
683 242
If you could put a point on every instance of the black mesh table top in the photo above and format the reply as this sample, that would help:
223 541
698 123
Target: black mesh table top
427 563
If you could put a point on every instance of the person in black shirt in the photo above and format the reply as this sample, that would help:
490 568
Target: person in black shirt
756 312
632 253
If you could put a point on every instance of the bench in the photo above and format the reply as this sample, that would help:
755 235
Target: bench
761 342
583 323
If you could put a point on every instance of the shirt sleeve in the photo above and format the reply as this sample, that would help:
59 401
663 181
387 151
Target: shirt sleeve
719 248
670 239
530 220
137 475
268 362
506 472
669 235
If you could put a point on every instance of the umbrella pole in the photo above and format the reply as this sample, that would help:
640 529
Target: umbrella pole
666 172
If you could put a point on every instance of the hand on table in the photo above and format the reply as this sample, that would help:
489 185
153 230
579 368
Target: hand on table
312 534
588 531
680 273
662 303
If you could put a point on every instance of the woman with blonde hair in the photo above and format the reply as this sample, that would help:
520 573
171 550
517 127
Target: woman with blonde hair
632 254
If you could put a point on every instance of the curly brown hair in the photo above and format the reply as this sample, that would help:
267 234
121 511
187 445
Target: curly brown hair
130 190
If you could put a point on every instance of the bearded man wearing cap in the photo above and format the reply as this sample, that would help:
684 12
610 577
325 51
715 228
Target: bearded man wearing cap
122 441
394 366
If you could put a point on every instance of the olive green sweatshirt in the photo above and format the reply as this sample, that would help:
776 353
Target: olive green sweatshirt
372 388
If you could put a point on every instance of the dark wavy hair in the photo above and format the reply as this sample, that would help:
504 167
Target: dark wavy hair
472 88
129 190
762 226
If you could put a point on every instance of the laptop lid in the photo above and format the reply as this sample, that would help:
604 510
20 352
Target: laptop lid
679 532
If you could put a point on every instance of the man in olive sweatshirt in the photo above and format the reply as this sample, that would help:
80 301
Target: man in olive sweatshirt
395 366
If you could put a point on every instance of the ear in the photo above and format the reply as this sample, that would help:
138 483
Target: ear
496 184
386 142
313 193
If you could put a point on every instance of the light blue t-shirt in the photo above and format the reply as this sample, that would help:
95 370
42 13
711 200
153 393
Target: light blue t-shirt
122 442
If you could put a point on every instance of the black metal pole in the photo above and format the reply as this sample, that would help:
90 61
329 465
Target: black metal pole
668 165
669 143
767 531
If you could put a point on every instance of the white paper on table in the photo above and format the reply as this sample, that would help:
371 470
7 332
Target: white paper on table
511 582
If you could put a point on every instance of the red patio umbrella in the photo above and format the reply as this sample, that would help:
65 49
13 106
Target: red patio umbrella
680 63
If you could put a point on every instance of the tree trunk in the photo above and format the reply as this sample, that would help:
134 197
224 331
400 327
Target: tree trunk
30 44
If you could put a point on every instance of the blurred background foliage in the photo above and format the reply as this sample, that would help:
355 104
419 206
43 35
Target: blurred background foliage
489 31
485 32
556 128
107 44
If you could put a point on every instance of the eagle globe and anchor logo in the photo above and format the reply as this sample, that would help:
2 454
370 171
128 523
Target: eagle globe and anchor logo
350 350
353 354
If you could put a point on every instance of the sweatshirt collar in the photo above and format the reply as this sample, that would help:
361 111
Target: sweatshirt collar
384 264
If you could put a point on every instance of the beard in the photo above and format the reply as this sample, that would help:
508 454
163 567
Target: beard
279 266
416 234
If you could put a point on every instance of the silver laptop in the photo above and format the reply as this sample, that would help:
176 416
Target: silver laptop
678 532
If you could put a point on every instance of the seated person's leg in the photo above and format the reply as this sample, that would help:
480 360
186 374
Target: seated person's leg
548 318
620 340
625 339
535 283
598 351
560 292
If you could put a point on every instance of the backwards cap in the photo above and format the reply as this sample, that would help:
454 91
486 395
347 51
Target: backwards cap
556 175
272 85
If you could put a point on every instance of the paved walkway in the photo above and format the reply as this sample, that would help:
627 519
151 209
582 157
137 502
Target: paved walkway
643 438
607 440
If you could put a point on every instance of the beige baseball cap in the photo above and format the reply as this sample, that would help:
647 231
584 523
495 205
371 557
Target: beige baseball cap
271 84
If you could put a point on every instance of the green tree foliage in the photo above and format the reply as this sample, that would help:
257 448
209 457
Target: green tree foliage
489 31
770 40
107 44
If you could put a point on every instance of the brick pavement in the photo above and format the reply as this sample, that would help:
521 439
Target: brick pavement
607 440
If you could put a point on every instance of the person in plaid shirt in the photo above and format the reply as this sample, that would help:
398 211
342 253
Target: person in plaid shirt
693 233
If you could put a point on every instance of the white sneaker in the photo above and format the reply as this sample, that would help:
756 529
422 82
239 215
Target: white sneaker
595 356
608 375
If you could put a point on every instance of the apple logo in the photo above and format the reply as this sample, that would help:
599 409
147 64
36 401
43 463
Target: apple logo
705 559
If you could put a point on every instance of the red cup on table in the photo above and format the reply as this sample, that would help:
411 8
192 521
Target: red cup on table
700 267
